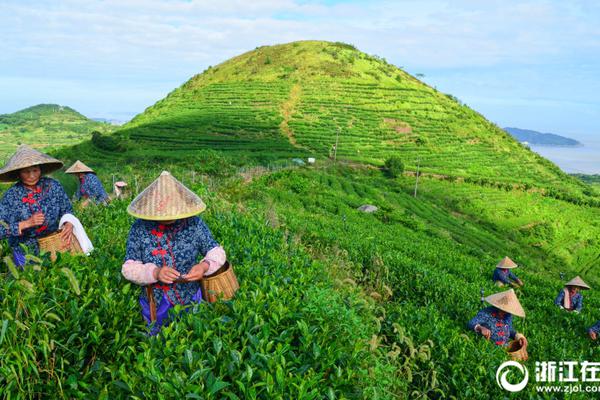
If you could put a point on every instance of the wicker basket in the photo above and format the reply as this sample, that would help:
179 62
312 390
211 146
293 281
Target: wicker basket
516 351
53 244
222 284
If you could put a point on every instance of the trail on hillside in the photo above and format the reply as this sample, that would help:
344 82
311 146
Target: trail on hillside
287 109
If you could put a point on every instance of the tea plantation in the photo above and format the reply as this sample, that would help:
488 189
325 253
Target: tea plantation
334 303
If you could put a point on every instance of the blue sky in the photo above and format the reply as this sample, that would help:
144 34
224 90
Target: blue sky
529 64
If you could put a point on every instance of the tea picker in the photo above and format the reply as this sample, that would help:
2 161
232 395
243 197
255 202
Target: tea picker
89 187
495 323
570 297
503 274
171 252
35 212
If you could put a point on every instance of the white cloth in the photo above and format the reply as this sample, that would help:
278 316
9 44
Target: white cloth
79 232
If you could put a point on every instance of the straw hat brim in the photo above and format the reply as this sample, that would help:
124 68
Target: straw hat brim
79 168
508 302
166 199
12 174
507 263
166 217
578 282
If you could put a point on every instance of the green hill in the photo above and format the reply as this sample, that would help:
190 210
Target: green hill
45 126
300 98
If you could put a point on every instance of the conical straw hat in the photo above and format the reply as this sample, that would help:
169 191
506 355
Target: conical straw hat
165 199
507 301
25 157
577 281
506 263
78 167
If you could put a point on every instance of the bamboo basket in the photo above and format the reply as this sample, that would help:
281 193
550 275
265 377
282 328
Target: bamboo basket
222 284
516 351
53 244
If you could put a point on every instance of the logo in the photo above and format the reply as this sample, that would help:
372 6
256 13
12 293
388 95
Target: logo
504 369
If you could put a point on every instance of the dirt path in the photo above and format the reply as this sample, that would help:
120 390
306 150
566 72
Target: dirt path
287 109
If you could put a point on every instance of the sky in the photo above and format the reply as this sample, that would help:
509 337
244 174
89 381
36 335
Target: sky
528 64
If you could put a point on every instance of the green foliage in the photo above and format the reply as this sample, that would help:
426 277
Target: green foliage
426 260
394 167
74 330
105 142
45 126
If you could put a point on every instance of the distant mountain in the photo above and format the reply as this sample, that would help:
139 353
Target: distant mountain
44 126
543 139
111 121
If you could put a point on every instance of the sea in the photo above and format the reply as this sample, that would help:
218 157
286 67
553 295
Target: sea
578 159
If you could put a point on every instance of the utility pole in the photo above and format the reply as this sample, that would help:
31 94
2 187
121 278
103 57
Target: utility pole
417 180
337 136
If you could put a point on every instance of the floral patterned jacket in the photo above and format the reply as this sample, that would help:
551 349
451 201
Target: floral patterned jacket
504 275
20 202
180 245
498 322
90 187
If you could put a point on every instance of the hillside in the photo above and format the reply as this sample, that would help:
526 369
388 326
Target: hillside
300 98
544 139
358 305
45 126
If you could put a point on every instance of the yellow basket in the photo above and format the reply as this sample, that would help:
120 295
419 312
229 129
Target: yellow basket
516 351
222 284
54 244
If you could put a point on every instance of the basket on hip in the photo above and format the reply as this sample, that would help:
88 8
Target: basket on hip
53 244
222 284
516 351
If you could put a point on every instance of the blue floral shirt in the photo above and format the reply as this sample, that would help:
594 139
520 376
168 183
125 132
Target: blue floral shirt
179 245
90 187
595 328
19 203
498 322
576 301
504 275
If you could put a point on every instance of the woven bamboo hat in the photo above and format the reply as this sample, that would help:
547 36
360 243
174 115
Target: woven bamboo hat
577 281
25 157
78 168
165 199
506 263
507 301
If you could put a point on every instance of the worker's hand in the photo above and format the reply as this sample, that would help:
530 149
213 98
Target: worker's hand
593 335
196 272
167 275
485 332
67 233
36 219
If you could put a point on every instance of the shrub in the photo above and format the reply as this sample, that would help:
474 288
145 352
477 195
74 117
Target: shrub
394 167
